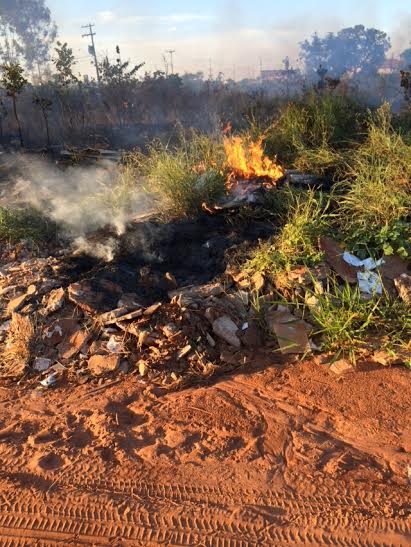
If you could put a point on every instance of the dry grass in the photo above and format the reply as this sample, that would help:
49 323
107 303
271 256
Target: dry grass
18 347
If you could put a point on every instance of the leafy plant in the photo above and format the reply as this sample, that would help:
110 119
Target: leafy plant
13 81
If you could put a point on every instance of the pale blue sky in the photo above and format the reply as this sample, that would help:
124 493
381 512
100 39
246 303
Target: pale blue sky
234 34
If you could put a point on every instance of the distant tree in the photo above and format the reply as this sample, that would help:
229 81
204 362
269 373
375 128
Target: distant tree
13 81
118 73
405 57
64 63
353 49
44 104
27 31
3 115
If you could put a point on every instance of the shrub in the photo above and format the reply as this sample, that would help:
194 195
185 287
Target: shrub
186 175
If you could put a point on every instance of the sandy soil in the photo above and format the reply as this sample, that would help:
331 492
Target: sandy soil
279 455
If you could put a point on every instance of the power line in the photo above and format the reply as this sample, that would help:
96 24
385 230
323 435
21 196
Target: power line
92 48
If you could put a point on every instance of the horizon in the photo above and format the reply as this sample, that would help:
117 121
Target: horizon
235 38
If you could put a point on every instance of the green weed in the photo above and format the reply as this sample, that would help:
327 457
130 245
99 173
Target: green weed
29 223
186 175
307 218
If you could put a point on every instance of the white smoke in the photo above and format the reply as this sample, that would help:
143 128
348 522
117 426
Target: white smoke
81 200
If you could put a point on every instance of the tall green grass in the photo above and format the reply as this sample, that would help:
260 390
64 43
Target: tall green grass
375 201
307 217
185 175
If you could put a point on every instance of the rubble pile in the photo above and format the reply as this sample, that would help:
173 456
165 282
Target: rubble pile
55 329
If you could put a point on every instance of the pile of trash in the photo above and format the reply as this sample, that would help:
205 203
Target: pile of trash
54 330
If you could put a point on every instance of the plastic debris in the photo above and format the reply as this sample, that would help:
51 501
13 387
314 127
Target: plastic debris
50 380
368 280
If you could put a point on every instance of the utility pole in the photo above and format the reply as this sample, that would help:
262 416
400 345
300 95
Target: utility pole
92 48
261 67
210 73
171 53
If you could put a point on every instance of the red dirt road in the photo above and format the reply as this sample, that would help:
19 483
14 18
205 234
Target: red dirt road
279 456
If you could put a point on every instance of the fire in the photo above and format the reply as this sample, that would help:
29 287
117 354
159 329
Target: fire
247 160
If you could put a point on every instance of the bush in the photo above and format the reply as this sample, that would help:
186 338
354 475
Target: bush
186 175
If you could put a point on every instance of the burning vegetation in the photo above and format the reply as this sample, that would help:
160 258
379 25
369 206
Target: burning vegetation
246 160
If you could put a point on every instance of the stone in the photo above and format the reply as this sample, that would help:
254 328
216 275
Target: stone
103 364
55 301
67 350
403 285
41 364
226 329
341 367
16 303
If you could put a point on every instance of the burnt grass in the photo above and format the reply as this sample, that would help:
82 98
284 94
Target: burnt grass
194 251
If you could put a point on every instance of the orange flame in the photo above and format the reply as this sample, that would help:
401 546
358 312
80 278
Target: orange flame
247 160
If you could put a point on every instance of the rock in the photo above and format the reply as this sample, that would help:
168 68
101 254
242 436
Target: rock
290 331
115 344
103 364
55 301
87 299
16 303
41 364
334 255
341 367
210 340
403 285
67 350
186 296
226 329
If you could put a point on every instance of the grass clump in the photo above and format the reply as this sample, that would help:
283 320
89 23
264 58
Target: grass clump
348 323
308 135
185 175
28 223
306 219
375 205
